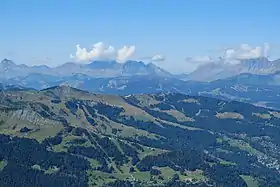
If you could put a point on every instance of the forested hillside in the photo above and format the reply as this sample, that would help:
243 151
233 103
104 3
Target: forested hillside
62 136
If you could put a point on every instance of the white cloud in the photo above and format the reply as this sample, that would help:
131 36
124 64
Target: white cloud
245 51
158 58
155 58
100 51
232 56
200 59
125 52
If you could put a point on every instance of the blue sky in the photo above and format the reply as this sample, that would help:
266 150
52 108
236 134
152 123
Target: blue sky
47 31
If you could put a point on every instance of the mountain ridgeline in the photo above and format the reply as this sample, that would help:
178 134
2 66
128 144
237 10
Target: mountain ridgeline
63 136
261 90
218 69
10 70
221 69
257 83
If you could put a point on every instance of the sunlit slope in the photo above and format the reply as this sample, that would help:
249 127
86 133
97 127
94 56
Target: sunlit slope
145 139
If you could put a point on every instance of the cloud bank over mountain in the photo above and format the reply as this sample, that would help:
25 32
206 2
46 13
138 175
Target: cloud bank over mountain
232 55
245 51
100 51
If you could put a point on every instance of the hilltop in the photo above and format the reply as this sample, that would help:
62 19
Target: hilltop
64 136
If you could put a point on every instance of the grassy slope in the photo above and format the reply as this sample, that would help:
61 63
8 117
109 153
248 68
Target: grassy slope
49 128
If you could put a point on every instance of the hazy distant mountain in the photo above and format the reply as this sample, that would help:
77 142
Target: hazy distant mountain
210 72
255 79
220 70
259 65
256 89
111 64
108 69
8 69
244 89
234 82
120 85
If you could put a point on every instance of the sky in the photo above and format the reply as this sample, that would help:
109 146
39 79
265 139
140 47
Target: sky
176 35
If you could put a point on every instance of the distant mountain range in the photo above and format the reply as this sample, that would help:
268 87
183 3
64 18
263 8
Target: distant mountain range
133 77
221 69
104 69
95 69
260 90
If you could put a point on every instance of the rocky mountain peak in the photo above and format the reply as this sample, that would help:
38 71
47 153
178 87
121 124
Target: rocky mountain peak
7 62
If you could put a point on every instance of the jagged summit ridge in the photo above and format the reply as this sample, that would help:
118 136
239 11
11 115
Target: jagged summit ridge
221 70
93 69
